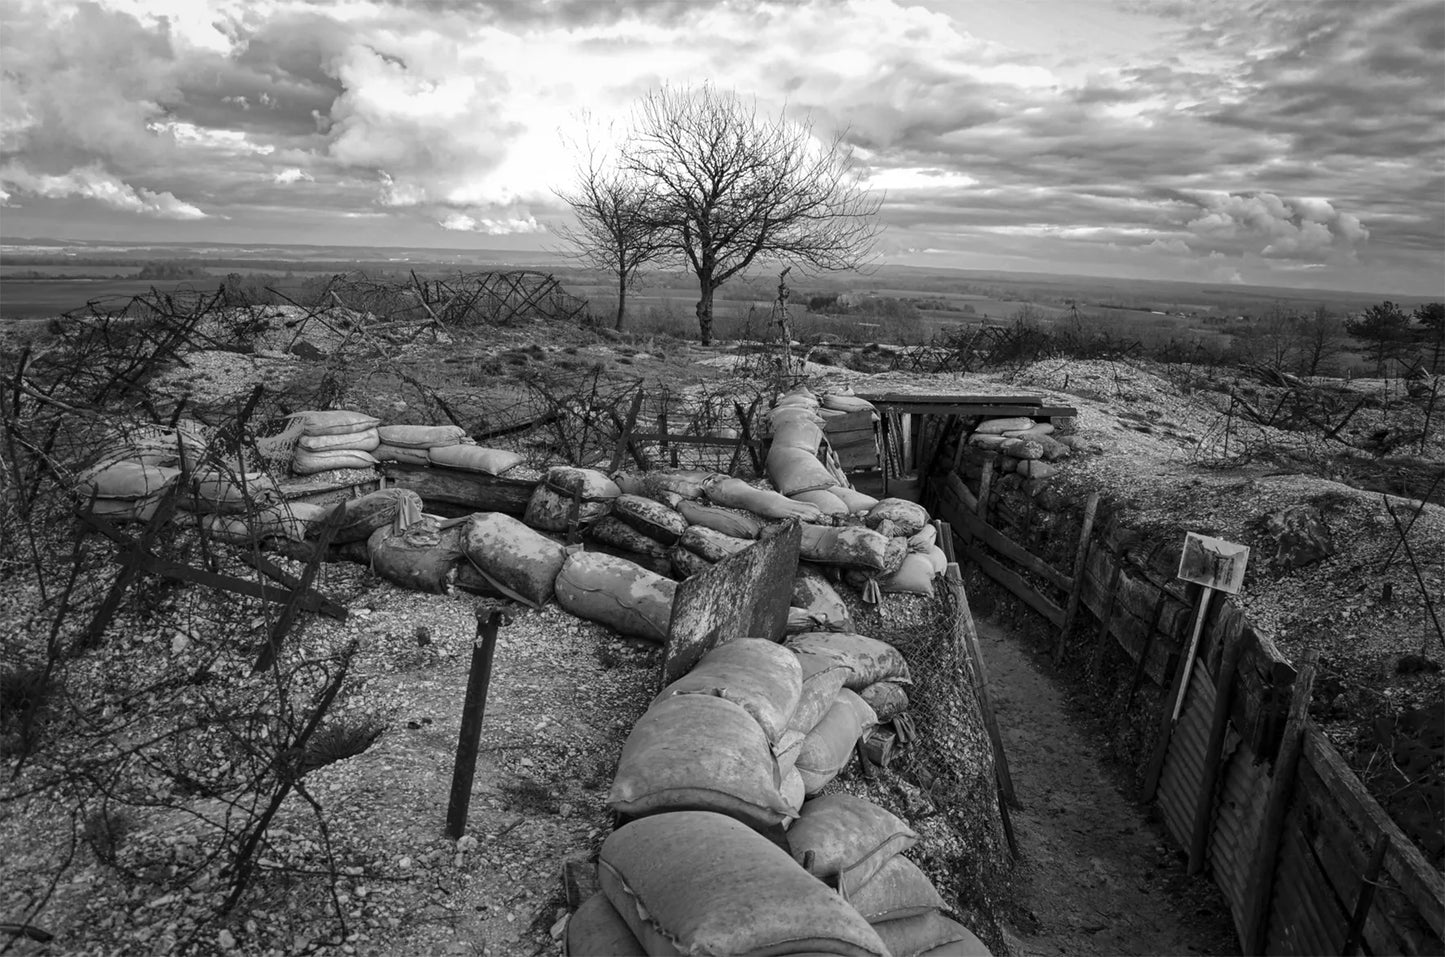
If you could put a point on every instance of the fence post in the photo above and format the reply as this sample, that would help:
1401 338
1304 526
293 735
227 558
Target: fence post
1260 888
473 708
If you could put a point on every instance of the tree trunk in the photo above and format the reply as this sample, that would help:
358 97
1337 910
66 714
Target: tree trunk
704 314
621 299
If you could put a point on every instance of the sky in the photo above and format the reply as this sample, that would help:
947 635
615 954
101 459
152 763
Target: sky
1270 142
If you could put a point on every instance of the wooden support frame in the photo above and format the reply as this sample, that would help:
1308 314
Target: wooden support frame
1260 888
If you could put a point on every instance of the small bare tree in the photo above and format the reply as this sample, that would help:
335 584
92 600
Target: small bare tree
617 227
732 187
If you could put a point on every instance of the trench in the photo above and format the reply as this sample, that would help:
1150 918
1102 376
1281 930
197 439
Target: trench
1097 874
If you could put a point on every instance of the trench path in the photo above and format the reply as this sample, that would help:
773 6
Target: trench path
1097 876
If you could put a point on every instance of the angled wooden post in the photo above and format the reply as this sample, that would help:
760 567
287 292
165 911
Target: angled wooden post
1076 585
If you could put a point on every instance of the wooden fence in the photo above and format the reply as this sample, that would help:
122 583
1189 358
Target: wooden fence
1307 860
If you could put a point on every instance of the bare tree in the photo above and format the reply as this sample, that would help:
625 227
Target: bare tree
733 187
616 228
1322 338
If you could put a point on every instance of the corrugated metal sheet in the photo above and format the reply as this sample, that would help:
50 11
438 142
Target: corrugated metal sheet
1184 762
1237 819
1305 917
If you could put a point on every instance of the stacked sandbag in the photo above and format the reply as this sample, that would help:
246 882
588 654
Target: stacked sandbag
125 490
469 457
182 446
641 528
292 521
857 846
694 882
363 515
764 503
1023 444
517 560
618 593
565 487
335 439
830 744
410 444
228 492
865 659
793 463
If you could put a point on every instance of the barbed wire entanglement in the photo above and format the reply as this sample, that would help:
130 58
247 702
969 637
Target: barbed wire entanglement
942 782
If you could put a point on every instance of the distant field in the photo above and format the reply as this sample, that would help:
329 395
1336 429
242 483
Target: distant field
30 298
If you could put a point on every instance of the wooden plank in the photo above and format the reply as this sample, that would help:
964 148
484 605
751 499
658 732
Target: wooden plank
1008 548
624 434
1281 787
949 398
280 575
1015 584
988 411
473 490
1213 754
746 595
1418 881
965 635
1081 555
1369 880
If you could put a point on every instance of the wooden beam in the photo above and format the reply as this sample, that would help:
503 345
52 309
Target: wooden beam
1081 557
280 575
979 410
1260 888
965 637
943 399
1369 880
1213 756
977 528
1015 584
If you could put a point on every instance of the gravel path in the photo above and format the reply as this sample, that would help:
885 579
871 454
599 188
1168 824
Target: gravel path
1097 875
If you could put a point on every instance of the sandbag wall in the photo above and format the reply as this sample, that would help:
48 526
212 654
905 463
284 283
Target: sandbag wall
1018 445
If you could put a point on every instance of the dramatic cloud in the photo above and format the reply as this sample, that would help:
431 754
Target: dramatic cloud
1254 139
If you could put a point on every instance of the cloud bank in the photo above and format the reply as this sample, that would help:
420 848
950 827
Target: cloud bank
1238 138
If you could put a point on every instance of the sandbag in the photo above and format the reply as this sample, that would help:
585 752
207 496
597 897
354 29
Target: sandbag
618 593
914 577
590 484
867 659
851 546
821 606
840 402
220 491
650 517
689 483
929 934
735 493
800 431
823 678
800 397
1022 449
305 462
423 556
630 481
371 511
855 500
300 518
796 470
719 518
908 518
597 930
762 677
924 539
1035 470
828 748
896 890
937 558
519 558
336 422
990 443
474 458
398 453
886 698
609 530
850 838
1034 431
1000 426
714 546
280 520
697 883
701 753
828 503
786 748
551 510
363 441
687 563
793 791
126 481
421 436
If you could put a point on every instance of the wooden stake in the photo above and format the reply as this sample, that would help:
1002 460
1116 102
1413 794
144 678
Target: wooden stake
1213 755
1106 619
1148 649
624 435
1368 882
1260 888
1188 661
966 646
1076 588
473 709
